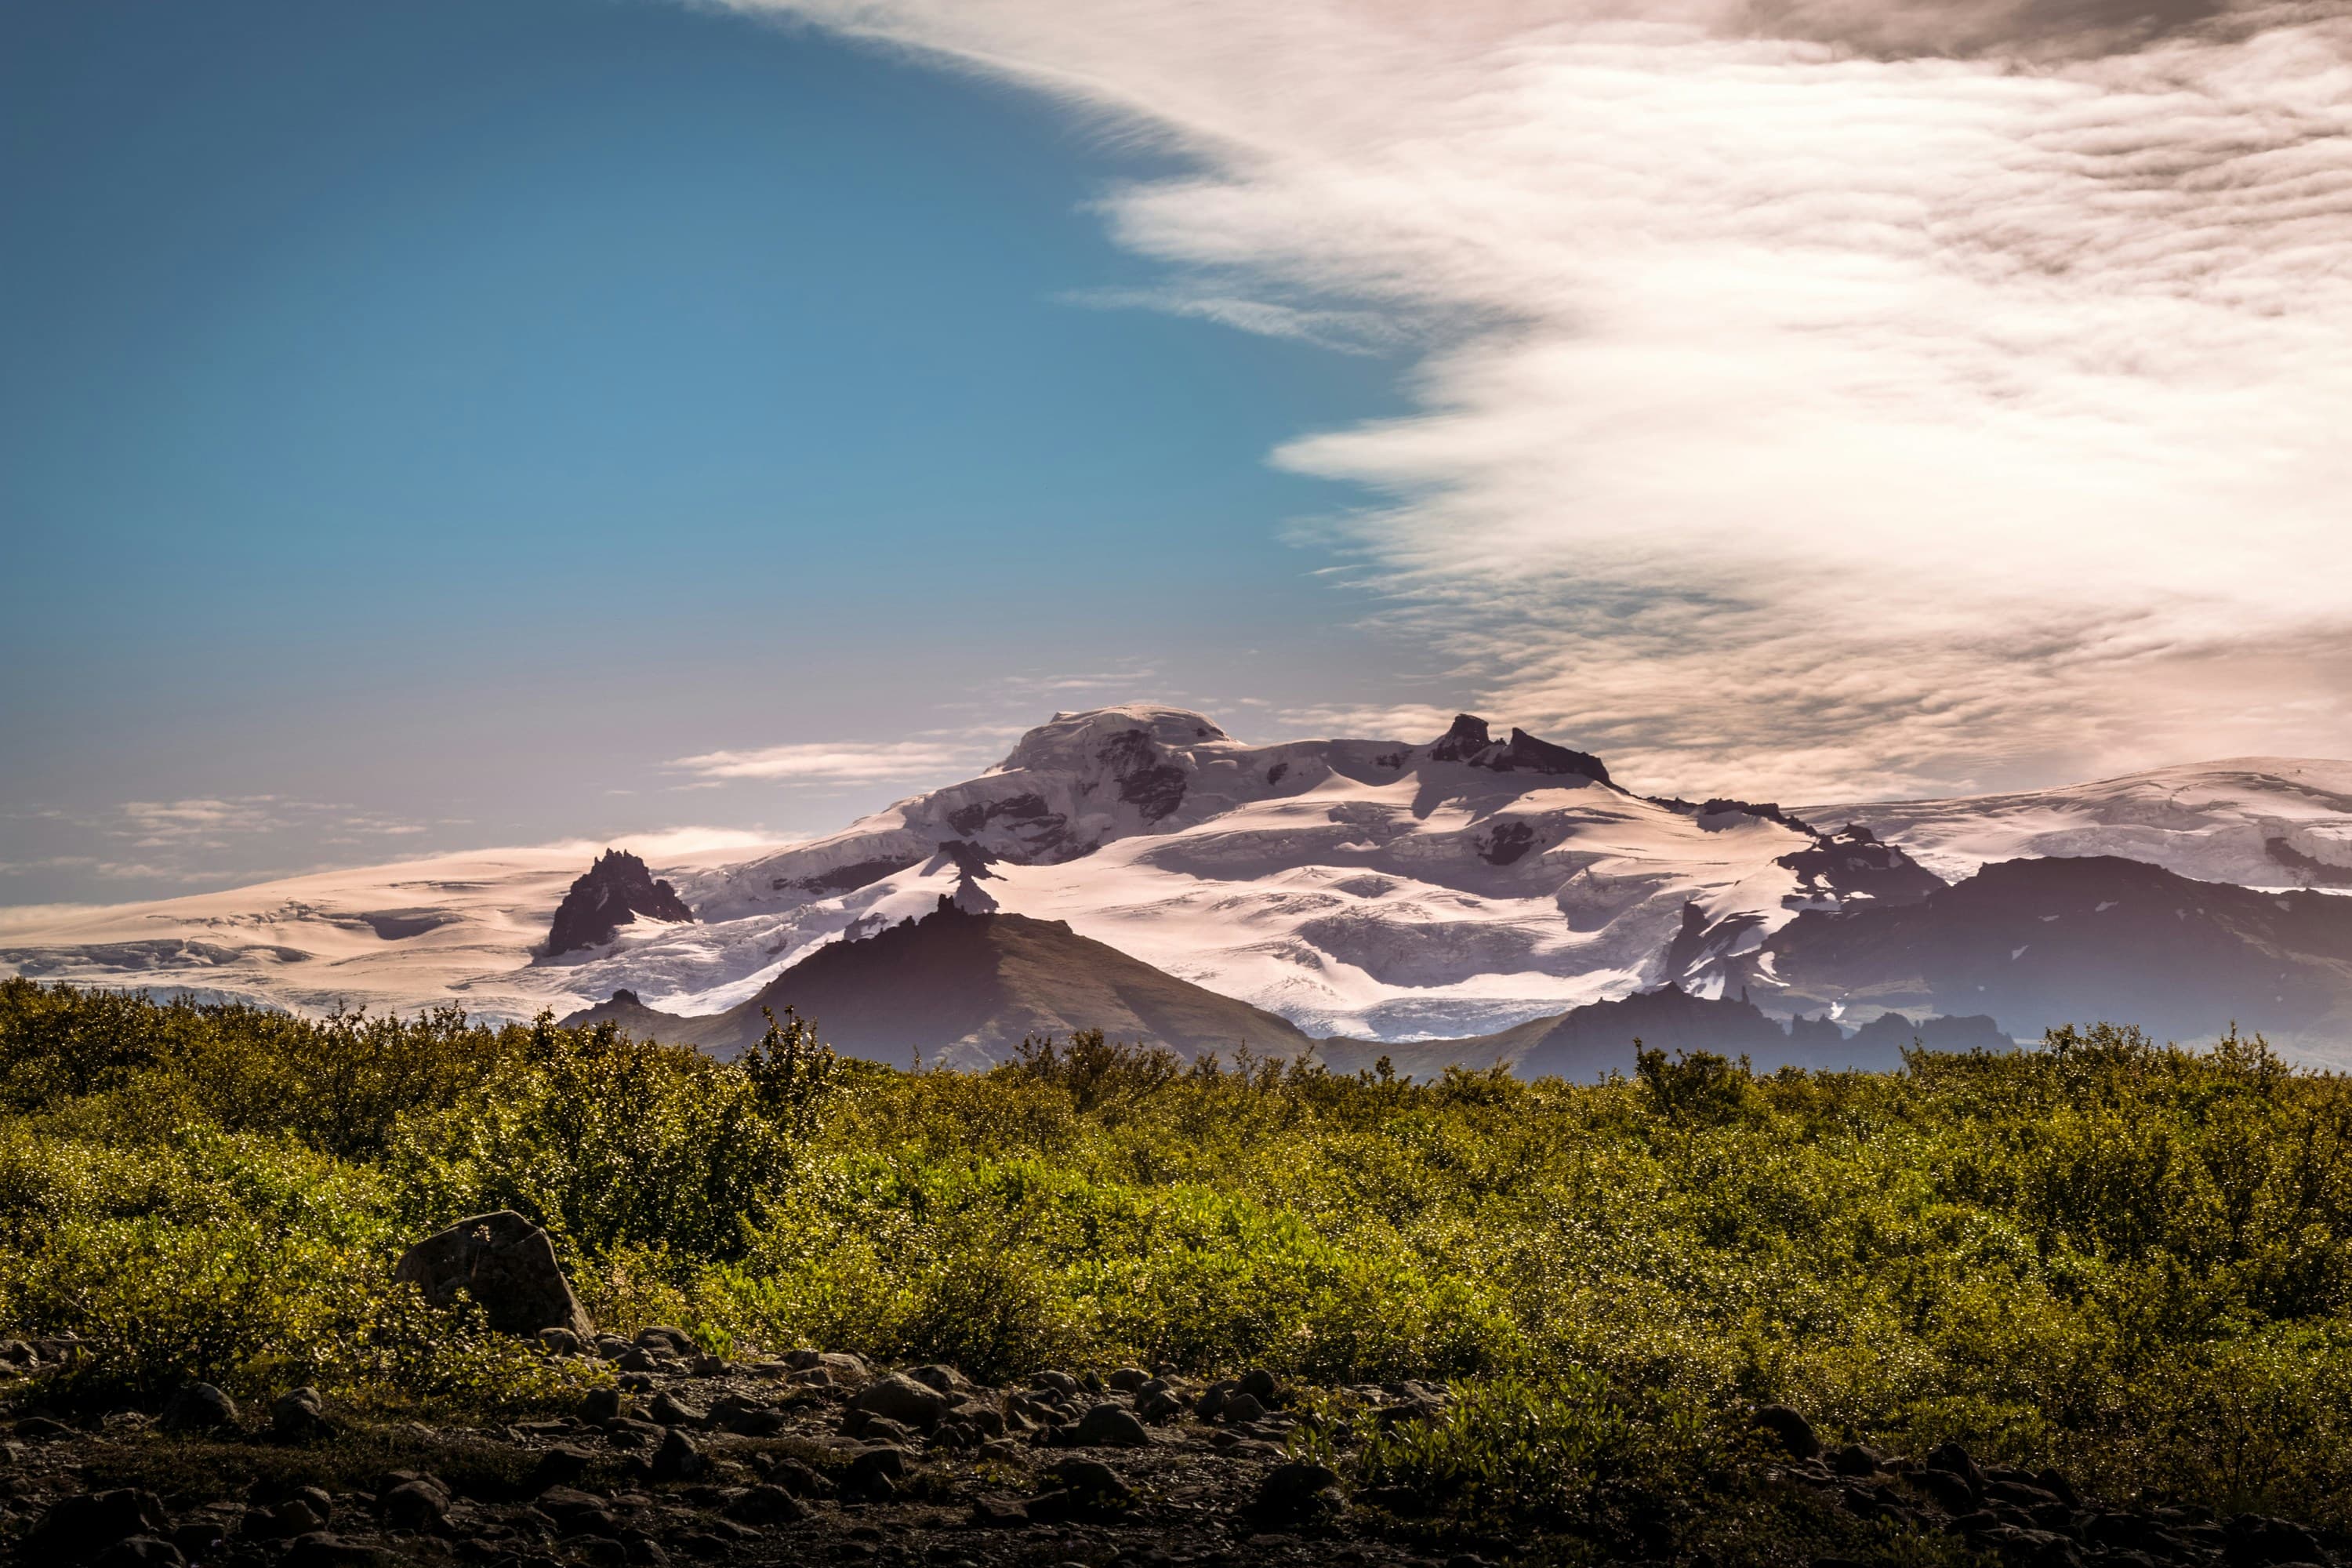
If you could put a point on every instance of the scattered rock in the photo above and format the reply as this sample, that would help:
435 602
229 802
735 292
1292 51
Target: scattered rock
901 1399
672 1411
1127 1379
1298 1493
677 1459
199 1407
139 1551
298 1414
602 1404
418 1507
767 1504
559 1342
876 1473
557 1467
505 1263
1110 1426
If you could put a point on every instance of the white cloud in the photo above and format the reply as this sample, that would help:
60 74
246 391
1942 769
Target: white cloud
831 762
1825 395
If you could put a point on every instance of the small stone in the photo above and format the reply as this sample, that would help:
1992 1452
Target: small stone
1240 1407
767 1504
677 1459
1090 1476
797 1478
1127 1379
417 1507
1298 1493
600 1405
671 1411
876 1473
557 1467
998 1513
559 1341
199 1407
140 1552
1259 1386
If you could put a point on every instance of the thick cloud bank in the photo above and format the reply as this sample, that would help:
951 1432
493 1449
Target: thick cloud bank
1811 395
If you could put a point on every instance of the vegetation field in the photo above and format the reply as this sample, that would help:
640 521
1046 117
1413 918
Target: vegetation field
2122 1259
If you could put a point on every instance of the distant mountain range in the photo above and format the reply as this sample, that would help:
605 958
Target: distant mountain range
1444 895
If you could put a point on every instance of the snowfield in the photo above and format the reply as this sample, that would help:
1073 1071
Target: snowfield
1380 889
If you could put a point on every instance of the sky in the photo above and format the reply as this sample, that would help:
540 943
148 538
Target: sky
432 423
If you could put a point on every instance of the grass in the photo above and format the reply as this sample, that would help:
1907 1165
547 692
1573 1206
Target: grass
2124 1260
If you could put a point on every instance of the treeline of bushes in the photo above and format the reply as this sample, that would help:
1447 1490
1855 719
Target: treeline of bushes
2130 1261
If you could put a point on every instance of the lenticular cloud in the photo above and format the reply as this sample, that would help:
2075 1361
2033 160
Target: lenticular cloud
1819 396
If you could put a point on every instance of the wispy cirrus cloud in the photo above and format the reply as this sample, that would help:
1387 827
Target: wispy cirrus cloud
1813 396
831 763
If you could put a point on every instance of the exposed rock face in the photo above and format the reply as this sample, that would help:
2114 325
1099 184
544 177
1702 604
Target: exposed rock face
617 889
1468 741
505 1263
1853 861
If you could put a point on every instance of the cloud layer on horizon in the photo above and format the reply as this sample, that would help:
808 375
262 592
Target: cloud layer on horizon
1827 396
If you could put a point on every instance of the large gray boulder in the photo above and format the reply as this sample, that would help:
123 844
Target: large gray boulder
505 1263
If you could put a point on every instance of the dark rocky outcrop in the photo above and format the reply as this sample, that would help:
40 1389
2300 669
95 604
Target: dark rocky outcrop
1468 741
506 1264
616 890
1853 863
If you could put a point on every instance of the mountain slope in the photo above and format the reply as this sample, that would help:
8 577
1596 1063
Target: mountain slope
1389 889
2281 822
2040 943
963 989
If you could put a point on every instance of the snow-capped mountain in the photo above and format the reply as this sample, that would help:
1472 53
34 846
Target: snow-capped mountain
1386 889
1378 888
2261 822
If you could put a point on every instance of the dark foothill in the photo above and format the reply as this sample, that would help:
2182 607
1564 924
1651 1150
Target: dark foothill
615 890
506 1264
1789 1429
198 1407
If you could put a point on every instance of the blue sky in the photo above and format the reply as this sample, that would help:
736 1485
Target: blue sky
434 422
457 409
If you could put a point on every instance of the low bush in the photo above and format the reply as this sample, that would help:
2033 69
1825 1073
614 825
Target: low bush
2129 1260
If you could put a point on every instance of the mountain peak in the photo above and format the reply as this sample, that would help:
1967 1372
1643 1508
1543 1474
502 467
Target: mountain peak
615 890
1068 739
